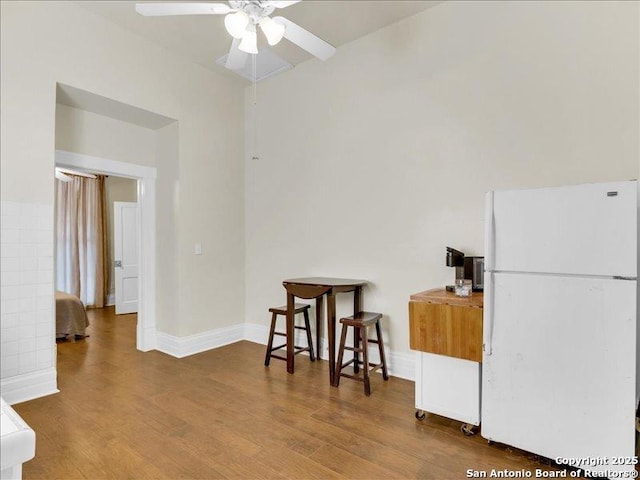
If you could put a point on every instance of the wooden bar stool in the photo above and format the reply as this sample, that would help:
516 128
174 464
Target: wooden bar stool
299 308
361 322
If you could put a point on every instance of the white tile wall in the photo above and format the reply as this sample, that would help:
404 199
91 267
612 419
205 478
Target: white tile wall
26 288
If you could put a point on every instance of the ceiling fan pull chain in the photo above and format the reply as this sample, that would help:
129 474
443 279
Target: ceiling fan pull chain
254 108
255 75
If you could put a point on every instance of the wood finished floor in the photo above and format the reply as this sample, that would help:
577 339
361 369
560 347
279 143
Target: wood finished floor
121 413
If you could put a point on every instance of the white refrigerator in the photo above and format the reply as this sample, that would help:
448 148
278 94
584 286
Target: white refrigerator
559 372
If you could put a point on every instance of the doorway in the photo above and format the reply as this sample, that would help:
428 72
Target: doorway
146 337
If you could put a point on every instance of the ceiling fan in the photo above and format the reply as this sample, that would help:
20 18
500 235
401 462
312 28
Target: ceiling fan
243 17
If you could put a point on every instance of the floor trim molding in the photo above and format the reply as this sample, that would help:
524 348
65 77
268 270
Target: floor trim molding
21 388
180 347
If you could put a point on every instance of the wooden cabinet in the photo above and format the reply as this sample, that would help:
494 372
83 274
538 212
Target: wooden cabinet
453 329
446 333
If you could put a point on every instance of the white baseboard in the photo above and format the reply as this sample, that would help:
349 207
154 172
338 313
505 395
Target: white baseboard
21 388
256 333
180 347
146 338
400 364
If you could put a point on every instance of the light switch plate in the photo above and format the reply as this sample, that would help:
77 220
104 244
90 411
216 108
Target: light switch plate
198 249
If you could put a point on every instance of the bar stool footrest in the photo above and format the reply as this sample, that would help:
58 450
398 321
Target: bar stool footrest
300 349
353 349
352 377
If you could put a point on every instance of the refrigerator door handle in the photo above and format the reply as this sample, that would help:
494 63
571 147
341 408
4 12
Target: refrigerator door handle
489 234
487 321
489 256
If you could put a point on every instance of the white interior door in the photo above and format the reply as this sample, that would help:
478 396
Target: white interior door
126 262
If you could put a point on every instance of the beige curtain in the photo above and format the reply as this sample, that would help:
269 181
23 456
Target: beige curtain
80 239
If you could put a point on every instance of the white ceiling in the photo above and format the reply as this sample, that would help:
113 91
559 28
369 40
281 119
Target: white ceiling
203 38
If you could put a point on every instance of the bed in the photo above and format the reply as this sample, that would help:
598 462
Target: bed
71 317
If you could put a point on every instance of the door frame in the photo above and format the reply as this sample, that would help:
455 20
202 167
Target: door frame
146 331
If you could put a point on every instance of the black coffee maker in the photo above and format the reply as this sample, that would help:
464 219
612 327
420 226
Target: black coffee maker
469 268
455 258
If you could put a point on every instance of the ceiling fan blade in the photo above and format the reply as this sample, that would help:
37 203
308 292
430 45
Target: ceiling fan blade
305 39
164 9
236 58
283 3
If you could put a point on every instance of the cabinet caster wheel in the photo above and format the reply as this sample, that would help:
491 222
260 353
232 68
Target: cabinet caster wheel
467 429
420 415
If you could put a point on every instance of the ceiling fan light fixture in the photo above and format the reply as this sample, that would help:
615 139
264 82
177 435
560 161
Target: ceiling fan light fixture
272 30
236 24
249 43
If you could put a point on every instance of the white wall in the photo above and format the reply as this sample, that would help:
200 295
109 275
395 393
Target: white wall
85 132
43 43
26 299
373 162
167 238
